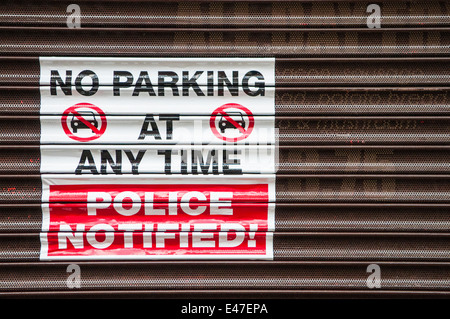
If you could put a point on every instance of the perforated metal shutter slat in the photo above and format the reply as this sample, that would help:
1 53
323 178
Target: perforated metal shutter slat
228 14
298 188
343 93
294 160
296 130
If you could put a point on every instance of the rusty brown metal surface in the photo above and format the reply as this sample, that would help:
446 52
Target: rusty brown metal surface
294 217
215 14
289 101
224 42
297 188
296 130
298 246
172 278
363 173
401 71
355 159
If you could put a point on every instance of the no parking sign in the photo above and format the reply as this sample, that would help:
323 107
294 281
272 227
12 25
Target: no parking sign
84 122
232 122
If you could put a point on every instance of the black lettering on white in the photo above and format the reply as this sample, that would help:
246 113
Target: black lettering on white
135 161
86 155
192 82
211 160
227 162
259 85
169 118
147 87
232 87
167 160
105 157
172 83
117 84
55 79
149 120
94 85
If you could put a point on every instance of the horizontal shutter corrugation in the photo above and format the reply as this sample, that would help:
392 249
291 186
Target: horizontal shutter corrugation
337 211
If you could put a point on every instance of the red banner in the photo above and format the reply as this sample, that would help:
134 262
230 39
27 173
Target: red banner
157 221
101 244
202 193
64 216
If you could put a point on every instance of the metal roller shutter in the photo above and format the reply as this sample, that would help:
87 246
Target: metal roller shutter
359 122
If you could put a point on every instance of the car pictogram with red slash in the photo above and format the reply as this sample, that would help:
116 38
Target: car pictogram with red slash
89 118
225 123
232 122
84 122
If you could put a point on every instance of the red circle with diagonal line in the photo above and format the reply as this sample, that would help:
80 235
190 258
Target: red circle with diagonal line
87 119
230 119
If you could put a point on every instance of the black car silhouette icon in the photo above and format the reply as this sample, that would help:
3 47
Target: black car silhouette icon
77 124
236 116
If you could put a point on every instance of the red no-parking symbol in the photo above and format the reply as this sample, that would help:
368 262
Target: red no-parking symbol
232 122
84 122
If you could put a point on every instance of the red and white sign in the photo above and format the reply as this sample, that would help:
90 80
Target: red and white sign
137 92
167 159
232 122
155 129
130 85
137 194
158 217
98 244
84 122
176 216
